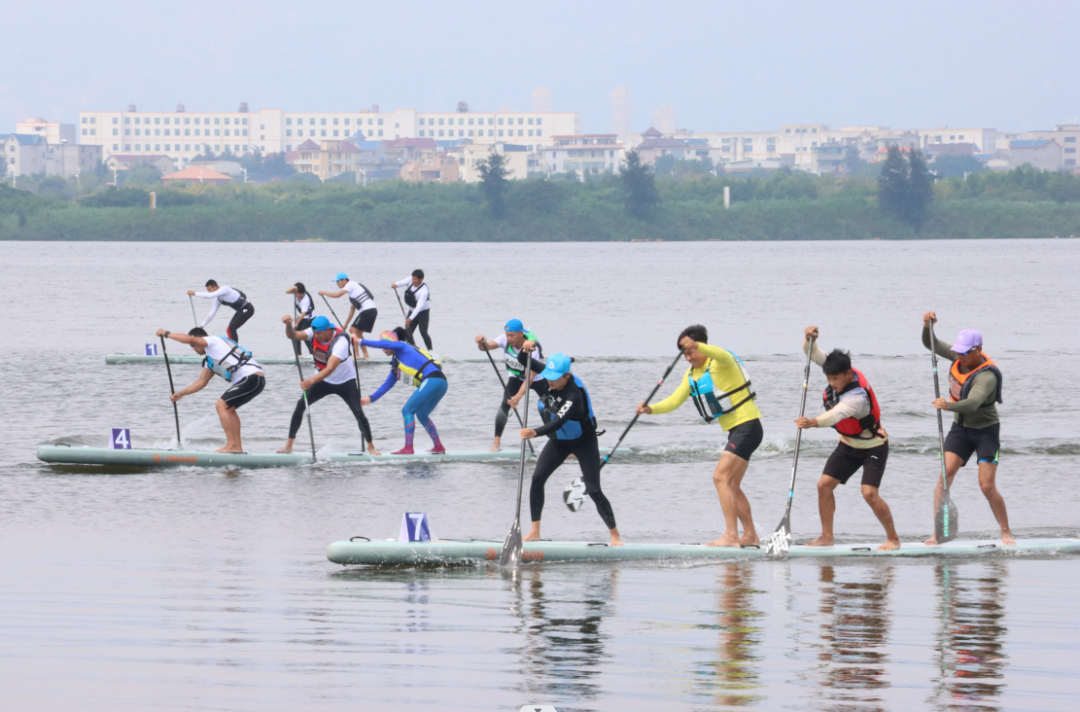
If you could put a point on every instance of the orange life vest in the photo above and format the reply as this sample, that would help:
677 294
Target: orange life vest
960 383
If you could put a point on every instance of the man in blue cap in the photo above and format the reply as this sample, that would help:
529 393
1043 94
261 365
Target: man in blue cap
974 392
514 337
335 374
361 303
570 424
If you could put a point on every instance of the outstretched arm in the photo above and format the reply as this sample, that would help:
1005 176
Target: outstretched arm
391 379
183 339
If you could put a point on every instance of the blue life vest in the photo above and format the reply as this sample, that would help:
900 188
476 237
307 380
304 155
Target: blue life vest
571 429
226 367
709 404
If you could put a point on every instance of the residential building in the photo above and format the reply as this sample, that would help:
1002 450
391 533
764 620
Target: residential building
28 154
196 174
327 159
51 131
469 156
1068 136
1044 154
432 168
589 153
654 145
124 162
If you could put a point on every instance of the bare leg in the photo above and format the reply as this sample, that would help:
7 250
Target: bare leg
497 445
953 463
726 478
616 540
230 421
534 533
826 502
884 514
288 446
987 482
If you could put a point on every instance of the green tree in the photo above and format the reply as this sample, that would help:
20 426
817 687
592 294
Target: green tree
53 187
957 166
851 160
145 176
893 184
275 165
493 183
304 178
639 188
920 191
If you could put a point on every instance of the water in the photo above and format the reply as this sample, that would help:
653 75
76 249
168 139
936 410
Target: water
209 589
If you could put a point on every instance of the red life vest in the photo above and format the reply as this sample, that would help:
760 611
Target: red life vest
321 352
854 427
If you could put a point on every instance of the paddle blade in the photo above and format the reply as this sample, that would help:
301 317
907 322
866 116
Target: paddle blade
946 521
778 544
574 495
512 547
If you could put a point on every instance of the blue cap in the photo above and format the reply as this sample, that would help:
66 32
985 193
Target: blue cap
321 323
341 276
514 325
558 365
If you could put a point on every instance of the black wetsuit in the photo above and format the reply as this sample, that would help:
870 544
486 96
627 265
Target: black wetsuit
513 385
568 412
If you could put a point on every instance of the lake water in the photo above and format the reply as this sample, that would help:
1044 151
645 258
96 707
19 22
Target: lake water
209 589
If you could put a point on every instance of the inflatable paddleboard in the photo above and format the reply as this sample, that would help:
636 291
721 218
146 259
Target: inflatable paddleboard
472 552
60 454
114 359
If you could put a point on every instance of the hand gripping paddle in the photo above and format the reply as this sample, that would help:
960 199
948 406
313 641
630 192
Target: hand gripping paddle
778 544
574 494
946 518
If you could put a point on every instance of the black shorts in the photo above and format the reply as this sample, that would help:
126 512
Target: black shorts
365 320
845 461
244 390
744 438
986 442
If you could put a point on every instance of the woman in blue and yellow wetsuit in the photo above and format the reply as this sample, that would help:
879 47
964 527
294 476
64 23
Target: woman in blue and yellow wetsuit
720 388
423 371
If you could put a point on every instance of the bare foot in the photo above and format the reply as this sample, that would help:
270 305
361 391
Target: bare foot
495 448
615 541
822 541
749 540
1007 538
229 448
284 450
890 545
932 541
732 541
372 451
531 536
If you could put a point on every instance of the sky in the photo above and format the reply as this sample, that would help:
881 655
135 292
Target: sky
723 66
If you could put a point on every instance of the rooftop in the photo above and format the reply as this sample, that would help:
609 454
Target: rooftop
196 174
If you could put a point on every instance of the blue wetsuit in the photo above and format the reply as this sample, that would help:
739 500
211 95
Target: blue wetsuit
409 361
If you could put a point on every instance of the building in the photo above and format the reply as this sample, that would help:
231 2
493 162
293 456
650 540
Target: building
1044 154
469 156
327 159
182 135
588 153
431 168
541 101
1068 136
123 162
196 174
52 131
30 154
621 114
663 119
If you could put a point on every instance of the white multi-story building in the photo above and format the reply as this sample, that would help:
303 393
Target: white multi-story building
184 134
52 131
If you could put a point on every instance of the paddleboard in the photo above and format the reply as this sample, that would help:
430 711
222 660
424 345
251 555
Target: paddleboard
114 359
472 552
60 454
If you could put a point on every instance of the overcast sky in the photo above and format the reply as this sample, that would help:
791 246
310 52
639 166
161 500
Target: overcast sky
734 66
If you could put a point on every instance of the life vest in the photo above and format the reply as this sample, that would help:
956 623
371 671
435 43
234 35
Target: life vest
960 383
320 353
571 429
363 297
305 313
417 374
711 406
854 427
410 294
238 356
513 365
239 303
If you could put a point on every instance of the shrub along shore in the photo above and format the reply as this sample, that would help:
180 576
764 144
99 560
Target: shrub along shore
785 206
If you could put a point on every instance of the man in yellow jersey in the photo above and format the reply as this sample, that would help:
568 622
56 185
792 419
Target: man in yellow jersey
720 389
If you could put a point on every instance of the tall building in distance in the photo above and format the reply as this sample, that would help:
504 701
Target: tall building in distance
621 111
541 101
663 119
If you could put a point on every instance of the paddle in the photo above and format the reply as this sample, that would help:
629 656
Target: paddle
574 494
352 347
503 383
512 547
946 518
332 311
779 543
307 406
172 390
191 301
399 302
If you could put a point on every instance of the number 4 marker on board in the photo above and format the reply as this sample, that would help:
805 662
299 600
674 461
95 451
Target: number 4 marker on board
120 439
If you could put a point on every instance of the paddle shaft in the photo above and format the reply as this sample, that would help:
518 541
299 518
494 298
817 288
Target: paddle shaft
172 391
307 406
503 383
352 348
940 425
798 432
332 311
191 301
652 395
400 303
512 546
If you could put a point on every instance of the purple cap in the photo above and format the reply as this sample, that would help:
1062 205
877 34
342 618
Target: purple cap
966 340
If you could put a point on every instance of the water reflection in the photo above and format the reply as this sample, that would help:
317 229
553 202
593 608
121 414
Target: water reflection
971 636
563 643
732 679
855 626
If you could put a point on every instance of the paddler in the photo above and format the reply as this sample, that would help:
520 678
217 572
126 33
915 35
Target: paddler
304 308
335 374
232 298
418 298
570 424
361 303
852 409
234 363
408 362
974 392
514 337
720 388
